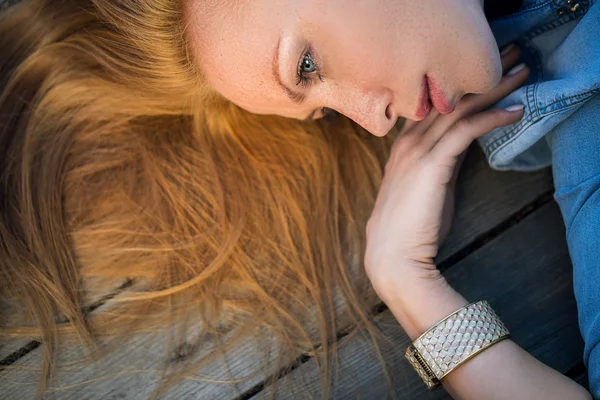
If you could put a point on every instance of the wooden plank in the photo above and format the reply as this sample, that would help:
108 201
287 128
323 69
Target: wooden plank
485 199
97 291
136 372
526 275
10 316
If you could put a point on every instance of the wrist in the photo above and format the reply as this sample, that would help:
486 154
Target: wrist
419 299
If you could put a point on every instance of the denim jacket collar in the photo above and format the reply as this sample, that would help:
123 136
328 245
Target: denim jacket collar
560 42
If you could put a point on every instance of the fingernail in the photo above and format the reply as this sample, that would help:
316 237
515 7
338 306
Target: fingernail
507 49
515 108
516 69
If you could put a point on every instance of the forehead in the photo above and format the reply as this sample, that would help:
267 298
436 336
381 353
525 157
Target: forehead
234 46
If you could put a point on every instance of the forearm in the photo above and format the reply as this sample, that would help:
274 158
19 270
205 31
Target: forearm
503 371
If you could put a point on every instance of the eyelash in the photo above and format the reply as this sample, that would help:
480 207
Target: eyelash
301 78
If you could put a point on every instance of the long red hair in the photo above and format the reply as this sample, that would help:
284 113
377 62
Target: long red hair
118 163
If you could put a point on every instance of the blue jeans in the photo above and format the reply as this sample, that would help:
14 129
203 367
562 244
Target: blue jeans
561 127
575 146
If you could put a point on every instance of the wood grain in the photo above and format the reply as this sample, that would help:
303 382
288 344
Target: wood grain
485 199
525 274
96 296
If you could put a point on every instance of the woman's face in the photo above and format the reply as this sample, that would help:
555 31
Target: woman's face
372 60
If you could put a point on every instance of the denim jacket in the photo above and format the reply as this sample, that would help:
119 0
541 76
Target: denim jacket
560 42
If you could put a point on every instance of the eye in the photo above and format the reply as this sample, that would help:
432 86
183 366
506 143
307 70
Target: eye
307 65
308 70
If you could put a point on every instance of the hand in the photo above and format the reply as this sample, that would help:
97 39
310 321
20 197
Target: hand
448 211
403 233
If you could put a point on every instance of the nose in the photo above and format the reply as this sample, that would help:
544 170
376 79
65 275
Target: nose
372 110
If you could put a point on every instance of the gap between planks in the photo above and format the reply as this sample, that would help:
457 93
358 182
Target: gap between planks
510 267
34 344
475 245
486 195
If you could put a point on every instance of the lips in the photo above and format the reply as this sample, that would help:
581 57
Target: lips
438 99
424 103
432 97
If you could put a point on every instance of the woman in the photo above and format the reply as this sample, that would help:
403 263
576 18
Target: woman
127 87
354 60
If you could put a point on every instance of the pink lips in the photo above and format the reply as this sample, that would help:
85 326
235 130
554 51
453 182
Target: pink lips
432 96
424 103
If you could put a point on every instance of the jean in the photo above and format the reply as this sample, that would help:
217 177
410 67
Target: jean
575 146
560 42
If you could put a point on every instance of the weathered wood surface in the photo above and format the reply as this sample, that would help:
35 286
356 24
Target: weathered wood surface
486 200
525 273
95 300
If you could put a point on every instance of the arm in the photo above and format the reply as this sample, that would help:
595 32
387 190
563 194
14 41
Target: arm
403 235
503 371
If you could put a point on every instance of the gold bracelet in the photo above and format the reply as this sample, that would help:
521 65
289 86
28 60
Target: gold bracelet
454 340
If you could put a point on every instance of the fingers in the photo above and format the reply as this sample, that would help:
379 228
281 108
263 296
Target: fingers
475 104
408 125
509 56
435 126
466 130
459 161
513 79
422 128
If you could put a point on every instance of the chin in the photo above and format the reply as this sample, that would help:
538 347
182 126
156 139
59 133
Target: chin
488 76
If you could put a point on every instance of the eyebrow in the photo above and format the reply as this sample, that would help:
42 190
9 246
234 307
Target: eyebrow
296 97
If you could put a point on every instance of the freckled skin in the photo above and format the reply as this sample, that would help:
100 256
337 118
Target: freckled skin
372 54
